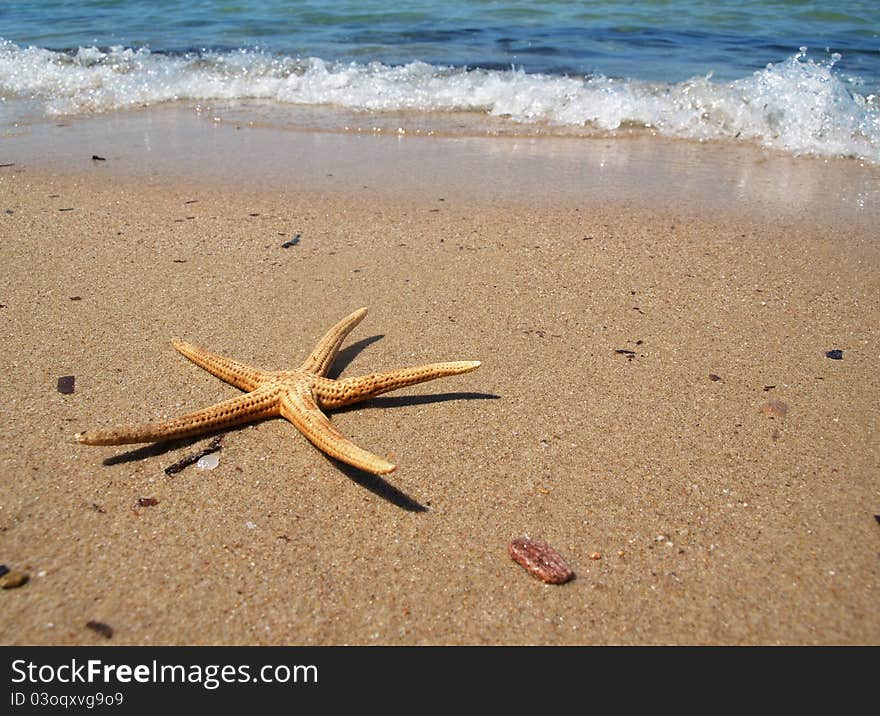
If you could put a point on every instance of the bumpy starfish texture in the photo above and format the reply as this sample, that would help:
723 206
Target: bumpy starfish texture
297 395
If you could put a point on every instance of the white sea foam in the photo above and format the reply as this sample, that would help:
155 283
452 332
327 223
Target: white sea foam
800 105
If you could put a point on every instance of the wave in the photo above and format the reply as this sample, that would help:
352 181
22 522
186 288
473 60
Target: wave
800 105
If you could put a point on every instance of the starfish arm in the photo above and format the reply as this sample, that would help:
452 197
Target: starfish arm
235 373
242 409
322 356
299 407
337 393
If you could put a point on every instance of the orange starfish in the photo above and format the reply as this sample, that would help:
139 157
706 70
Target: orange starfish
297 395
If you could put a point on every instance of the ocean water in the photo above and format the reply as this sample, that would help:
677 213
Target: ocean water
801 76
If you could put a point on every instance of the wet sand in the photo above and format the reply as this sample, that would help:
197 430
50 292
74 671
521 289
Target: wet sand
629 341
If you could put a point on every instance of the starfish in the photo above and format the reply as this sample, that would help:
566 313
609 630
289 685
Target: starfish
297 395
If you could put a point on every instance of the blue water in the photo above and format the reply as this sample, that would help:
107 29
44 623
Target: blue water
668 40
689 68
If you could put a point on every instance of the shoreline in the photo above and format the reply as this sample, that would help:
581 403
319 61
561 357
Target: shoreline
179 143
535 262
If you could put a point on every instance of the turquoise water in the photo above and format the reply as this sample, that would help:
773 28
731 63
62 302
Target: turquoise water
797 75
669 40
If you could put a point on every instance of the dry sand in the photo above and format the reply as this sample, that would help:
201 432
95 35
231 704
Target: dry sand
713 521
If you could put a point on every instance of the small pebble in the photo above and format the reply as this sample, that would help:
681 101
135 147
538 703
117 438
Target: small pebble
774 409
595 555
101 628
541 560
714 377
208 462
836 354
13 579
148 501
66 384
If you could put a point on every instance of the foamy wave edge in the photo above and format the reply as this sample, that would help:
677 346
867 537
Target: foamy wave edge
801 106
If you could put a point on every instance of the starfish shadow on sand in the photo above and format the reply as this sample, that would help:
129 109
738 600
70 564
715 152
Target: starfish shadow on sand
379 487
400 401
162 448
347 355
374 483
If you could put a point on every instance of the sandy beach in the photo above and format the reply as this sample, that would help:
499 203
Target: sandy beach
636 305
